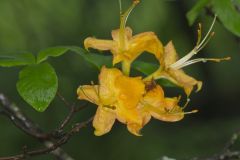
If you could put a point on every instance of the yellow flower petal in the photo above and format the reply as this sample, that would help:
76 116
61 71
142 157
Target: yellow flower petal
170 112
99 44
103 121
127 34
89 93
164 109
127 47
134 129
146 41
126 115
155 97
129 91
177 76
107 80
184 80
170 55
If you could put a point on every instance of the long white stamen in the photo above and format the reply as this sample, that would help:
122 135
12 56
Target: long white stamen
185 105
184 60
209 31
199 34
201 60
190 112
193 111
127 13
120 6
205 43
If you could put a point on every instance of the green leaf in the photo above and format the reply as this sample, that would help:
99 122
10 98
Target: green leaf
145 67
148 68
195 11
38 85
51 52
95 59
228 15
17 59
166 83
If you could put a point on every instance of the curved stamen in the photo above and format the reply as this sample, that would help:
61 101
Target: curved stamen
120 6
190 112
183 59
199 34
202 60
209 31
206 42
123 21
185 105
200 45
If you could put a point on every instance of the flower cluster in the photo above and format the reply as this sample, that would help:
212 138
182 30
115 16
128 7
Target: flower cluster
134 100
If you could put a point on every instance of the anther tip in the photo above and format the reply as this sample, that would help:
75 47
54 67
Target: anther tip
194 111
212 34
227 58
136 1
200 26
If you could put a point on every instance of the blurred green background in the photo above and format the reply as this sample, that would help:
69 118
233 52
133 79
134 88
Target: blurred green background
32 25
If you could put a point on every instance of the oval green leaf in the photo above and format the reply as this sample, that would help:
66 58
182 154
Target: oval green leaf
16 59
228 15
196 10
95 59
38 85
51 52
148 68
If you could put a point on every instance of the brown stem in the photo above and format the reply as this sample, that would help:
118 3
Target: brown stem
53 146
21 121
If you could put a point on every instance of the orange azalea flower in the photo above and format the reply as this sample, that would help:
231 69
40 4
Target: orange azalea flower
125 47
171 66
129 100
117 97
161 108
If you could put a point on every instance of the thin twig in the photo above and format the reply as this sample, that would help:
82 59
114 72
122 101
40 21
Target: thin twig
73 110
21 121
232 141
54 146
67 104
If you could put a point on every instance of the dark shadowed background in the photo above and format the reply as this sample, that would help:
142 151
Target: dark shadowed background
32 25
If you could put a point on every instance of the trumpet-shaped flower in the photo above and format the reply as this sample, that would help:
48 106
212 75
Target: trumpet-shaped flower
161 108
171 66
125 47
129 100
117 97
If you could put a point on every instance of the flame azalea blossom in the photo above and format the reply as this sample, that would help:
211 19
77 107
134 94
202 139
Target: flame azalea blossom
125 47
127 100
133 100
117 97
161 108
171 66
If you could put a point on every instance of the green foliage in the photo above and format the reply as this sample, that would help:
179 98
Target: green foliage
226 10
38 85
17 59
50 52
38 82
194 12
228 15
145 67
96 60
